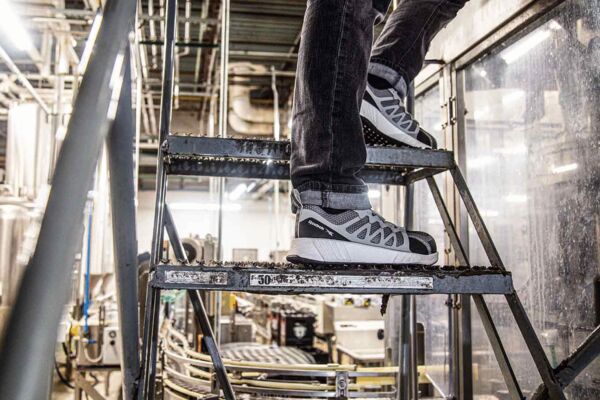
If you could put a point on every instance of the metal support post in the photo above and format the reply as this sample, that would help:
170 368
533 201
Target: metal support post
44 290
411 305
174 239
414 374
527 331
210 344
150 344
200 311
166 102
122 195
466 350
488 324
403 391
573 365
151 319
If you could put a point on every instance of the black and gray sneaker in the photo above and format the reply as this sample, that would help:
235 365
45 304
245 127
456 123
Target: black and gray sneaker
386 121
327 236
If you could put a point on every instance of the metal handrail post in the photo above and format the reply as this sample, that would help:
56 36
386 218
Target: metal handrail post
490 328
44 290
166 108
122 196
199 311
149 349
527 331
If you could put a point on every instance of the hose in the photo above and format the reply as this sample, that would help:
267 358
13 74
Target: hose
62 378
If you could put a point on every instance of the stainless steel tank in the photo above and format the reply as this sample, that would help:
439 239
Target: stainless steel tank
16 216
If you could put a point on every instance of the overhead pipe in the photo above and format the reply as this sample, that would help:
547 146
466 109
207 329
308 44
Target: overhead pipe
201 30
152 26
24 81
185 52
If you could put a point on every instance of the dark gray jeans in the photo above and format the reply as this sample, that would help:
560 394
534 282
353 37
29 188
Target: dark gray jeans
328 148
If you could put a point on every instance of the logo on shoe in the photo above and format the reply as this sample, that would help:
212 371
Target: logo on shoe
321 227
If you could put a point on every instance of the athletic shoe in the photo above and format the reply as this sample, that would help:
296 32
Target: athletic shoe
386 121
327 236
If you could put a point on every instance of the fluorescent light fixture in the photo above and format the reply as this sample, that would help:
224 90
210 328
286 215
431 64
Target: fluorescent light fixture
516 198
483 73
374 194
12 26
524 46
185 206
564 168
238 191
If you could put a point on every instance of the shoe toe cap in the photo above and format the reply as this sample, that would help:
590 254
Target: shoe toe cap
421 243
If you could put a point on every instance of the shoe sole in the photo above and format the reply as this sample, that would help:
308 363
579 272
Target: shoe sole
329 251
378 130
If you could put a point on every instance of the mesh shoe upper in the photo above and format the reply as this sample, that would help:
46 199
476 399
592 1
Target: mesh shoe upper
360 226
391 107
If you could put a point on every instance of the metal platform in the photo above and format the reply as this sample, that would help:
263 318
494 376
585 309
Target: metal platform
269 159
294 279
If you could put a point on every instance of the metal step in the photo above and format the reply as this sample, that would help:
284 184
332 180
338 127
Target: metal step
269 159
271 278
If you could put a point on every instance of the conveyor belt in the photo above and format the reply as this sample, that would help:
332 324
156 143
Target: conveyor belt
271 278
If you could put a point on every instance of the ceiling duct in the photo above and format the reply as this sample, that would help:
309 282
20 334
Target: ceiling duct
245 117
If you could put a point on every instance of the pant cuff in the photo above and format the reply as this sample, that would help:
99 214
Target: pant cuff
339 200
394 77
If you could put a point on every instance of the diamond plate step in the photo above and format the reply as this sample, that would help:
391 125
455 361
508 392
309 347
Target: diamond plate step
294 279
269 159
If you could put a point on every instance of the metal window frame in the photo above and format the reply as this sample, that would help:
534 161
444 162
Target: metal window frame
452 80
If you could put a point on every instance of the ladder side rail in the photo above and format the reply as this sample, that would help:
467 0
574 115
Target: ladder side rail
166 102
574 364
122 194
488 323
173 235
527 331
199 310
408 362
44 286
151 319
146 385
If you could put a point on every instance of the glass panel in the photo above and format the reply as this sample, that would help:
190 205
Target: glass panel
431 310
533 167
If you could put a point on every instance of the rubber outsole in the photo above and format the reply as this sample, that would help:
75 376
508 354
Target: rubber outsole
329 251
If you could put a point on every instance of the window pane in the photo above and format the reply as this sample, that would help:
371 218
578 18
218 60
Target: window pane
431 310
533 167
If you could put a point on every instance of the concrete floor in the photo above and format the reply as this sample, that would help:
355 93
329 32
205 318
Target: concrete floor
62 392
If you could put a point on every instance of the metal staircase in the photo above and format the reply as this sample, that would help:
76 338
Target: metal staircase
221 157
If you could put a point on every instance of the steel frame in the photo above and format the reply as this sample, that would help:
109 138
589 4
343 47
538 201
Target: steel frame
256 278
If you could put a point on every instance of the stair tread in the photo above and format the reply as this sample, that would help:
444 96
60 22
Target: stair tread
277 278
259 158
